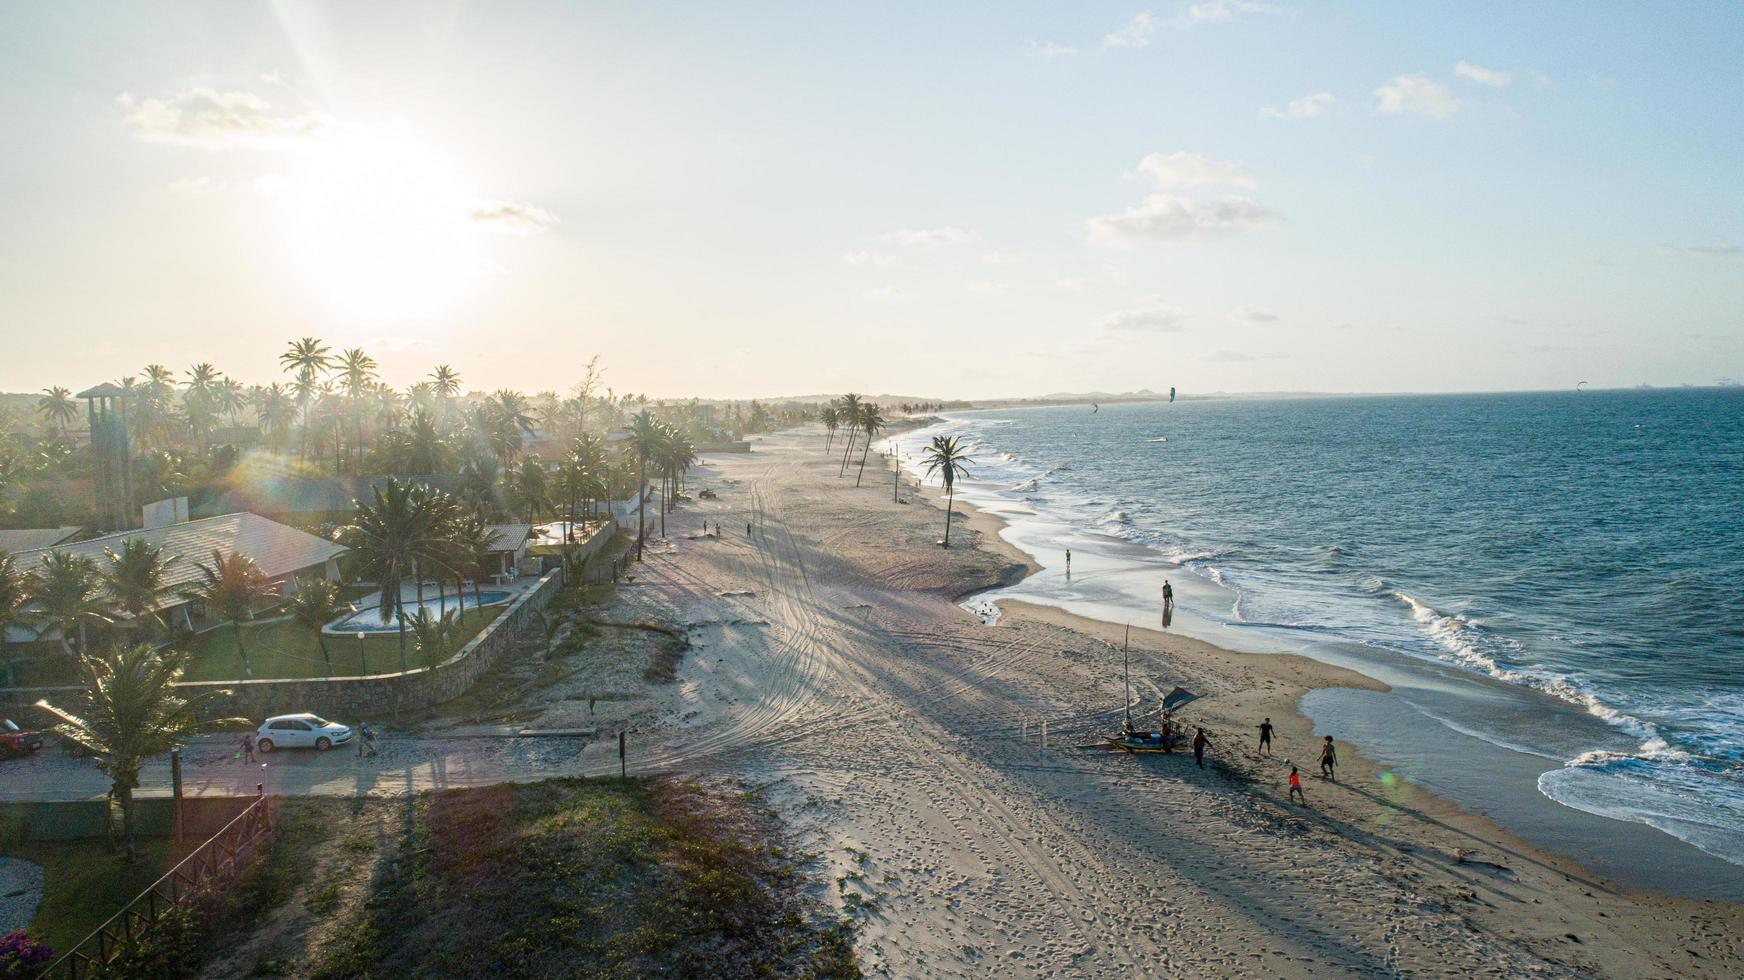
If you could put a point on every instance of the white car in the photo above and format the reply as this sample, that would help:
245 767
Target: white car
304 731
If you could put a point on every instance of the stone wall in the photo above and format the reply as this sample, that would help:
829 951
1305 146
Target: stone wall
342 699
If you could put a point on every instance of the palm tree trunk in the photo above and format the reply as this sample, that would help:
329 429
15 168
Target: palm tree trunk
895 479
641 493
400 688
863 451
321 641
236 624
124 795
950 498
846 449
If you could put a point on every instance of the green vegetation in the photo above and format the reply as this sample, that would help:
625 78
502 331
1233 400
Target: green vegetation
285 649
85 882
584 878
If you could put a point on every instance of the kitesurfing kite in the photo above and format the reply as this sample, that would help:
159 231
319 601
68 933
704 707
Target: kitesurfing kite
1094 408
1579 386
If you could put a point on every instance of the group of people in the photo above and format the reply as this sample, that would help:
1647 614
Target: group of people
1328 761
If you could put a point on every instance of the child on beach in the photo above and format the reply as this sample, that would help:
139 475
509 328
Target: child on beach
1296 787
1266 736
1328 760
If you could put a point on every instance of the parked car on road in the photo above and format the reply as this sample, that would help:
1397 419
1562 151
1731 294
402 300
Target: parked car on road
18 741
304 731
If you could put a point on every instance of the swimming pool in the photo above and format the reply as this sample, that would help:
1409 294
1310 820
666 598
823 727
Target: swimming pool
368 619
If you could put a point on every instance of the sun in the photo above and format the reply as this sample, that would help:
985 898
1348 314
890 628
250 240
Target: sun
380 228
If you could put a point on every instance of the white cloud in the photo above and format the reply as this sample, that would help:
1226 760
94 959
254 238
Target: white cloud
1170 220
213 120
1001 258
1249 314
1415 94
1138 33
1309 106
1184 169
1708 251
1222 11
1154 319
1052 51
930 237
512 217
265 184
1493 77
868 258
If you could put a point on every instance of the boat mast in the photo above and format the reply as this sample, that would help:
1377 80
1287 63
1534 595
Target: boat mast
1126 676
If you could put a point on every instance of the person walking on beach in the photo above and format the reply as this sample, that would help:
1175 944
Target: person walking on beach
1199 743
747 529
1296 787
1328 760
247 744
1068 563
1168 594
1266 736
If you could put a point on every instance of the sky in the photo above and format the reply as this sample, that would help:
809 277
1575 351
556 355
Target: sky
951 200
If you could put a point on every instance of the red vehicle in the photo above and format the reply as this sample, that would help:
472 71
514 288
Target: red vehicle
15 741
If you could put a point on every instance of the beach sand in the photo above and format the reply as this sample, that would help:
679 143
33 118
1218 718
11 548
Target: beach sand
833 670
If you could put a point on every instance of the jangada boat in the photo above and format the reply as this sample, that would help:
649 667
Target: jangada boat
1136 742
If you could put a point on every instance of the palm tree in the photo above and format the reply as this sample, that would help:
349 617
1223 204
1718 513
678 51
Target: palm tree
390 535
137 579
57 408
356 377
530 491
831 422
134 713
445 381
645 432
307 358
315 604
69 593
848 414
276 410
430 634
15 594
945 457
230 587
469 548
200 401
870 423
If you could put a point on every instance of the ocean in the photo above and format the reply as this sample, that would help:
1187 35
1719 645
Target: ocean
1552 582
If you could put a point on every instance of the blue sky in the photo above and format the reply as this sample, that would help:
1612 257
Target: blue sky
960 200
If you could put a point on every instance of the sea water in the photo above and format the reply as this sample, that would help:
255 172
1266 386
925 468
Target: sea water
1580 553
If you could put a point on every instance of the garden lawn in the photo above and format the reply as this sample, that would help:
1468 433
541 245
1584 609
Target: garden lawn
85 882
286 650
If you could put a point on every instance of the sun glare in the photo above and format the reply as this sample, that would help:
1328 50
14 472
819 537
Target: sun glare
379 225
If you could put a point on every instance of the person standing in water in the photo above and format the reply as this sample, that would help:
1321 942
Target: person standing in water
1199 743
1068 563
1296 787
1168 594
1328 760
1266 736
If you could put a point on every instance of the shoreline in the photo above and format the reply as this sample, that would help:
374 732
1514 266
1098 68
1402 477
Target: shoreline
1297 677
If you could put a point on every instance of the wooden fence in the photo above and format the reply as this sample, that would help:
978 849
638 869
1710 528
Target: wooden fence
217 862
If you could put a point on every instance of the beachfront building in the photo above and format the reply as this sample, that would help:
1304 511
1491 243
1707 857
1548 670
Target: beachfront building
33 538
282 554
509 544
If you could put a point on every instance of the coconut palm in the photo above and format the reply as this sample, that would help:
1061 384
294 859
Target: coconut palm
402 527
137 578
430 634
315 604
645 433
529 489
848 414
134 713
831 422
445 381
276 410
356 378
469 548
945 457
57 408
230 586
15 594
306 359
200 401
69 594
870 423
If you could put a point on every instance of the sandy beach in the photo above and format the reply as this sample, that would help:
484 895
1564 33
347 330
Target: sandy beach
833 665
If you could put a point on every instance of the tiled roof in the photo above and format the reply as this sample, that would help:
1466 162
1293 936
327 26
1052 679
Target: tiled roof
31 538
508 537
277 549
